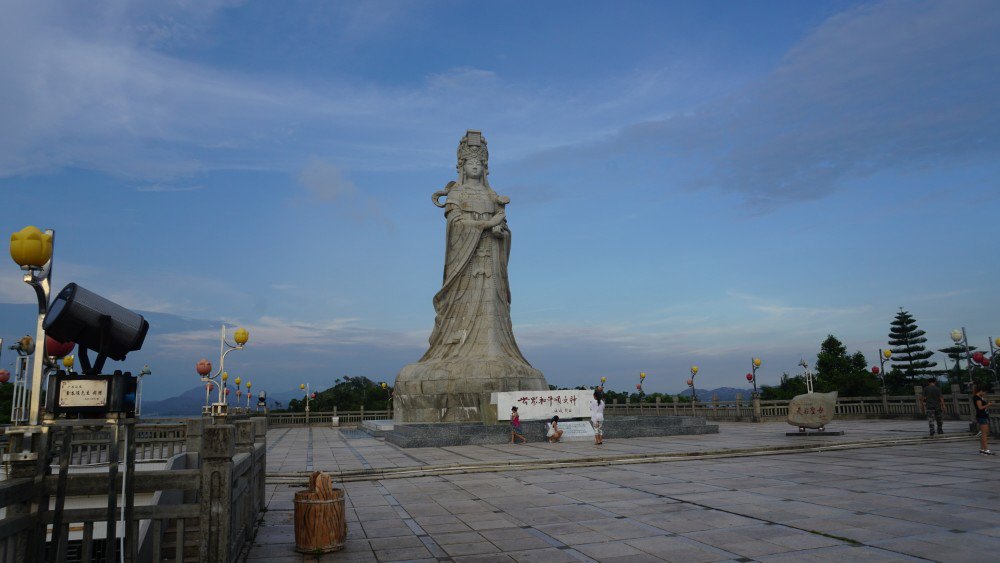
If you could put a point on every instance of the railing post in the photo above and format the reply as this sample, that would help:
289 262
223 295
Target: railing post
674 400
918 392
757 414
657 406
362 415
260 466
217 448
245 444
956 390
885 403
739 407
192 435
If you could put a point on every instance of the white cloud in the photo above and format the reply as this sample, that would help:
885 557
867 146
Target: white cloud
326 182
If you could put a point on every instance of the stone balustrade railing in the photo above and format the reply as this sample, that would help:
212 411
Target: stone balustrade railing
343 418
200 506
740 409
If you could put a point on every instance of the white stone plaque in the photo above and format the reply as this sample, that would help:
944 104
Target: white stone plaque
83 393
575 430
543 405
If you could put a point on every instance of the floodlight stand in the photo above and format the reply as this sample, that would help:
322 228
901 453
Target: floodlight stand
101 355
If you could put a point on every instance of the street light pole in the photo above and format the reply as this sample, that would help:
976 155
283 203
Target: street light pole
32 250
138 393
959 337
204 367
694 393
883 357
305 386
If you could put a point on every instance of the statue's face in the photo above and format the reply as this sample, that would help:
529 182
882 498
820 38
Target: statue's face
473 169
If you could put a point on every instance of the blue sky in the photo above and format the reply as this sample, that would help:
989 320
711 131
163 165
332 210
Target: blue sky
691 183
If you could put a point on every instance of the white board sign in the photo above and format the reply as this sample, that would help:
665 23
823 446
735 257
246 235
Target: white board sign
543 405
83 393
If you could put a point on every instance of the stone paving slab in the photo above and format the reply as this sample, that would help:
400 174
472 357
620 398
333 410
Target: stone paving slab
932 500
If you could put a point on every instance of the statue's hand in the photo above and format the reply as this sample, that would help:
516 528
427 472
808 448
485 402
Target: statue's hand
503 200
498 231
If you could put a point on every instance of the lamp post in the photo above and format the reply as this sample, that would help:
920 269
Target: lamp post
138 392
883 357
752 376
32 250
808 375
994 363
249 385
642 393
959 338
305 387
694 393
239 393
204 367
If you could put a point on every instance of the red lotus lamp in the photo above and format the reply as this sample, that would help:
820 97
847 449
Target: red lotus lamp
204 367
56 349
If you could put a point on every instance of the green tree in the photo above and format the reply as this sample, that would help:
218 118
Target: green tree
347 394
846 374
789 387
908 352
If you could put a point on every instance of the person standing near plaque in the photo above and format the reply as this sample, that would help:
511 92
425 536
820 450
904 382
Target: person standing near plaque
597 416
983 419
932 403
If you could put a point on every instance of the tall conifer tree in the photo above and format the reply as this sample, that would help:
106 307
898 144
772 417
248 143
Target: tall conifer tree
908 352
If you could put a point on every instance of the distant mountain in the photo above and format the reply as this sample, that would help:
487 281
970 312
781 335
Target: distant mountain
189 402
724 393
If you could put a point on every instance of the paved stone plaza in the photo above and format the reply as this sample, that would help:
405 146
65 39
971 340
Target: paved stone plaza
880 492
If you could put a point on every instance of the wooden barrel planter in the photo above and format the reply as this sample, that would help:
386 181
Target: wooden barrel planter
320 525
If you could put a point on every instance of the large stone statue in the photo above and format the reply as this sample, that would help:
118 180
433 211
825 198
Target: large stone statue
472 349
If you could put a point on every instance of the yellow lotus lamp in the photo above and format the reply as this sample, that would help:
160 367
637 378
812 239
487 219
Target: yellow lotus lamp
302 386
642 375
694 370
241 336
887 354
237 381
756 362
30 248
225 375
385 385
249 385
67 361
997 341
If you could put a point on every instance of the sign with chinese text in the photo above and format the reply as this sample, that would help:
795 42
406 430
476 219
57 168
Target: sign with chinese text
812 410
83 393
543 405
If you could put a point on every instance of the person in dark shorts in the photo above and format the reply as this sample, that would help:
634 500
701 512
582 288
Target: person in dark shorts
932 403
983 419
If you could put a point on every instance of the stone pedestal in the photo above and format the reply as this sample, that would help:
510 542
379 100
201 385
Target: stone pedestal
459 390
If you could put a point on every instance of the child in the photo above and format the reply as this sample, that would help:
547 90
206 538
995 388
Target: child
983 419
515 426
554 433
597 416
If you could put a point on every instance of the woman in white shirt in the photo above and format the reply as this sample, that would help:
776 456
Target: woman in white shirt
597 416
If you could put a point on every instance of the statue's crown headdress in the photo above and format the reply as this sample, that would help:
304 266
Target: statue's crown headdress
473 145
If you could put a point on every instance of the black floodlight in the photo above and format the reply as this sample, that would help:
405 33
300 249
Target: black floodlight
93 322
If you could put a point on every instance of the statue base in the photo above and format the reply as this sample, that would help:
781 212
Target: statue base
459 390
